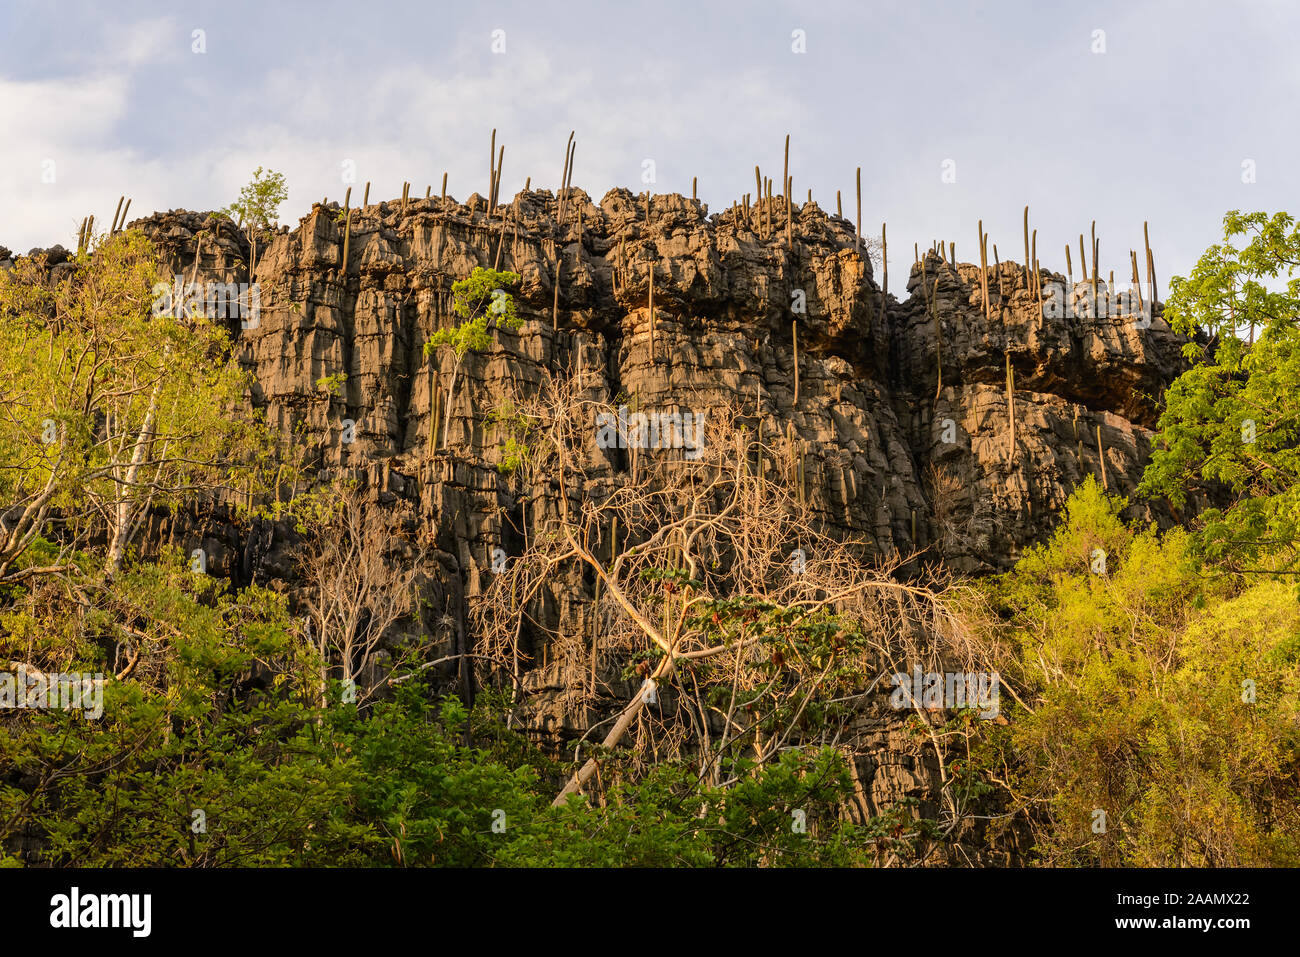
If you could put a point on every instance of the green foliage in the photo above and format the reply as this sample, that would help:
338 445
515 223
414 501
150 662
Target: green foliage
1131 683
97 372
332 384
480 300
258 206
515 426
186 732
1233 419
786 813
280 782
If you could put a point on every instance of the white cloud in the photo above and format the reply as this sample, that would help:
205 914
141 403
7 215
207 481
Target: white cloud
1155 129
144 42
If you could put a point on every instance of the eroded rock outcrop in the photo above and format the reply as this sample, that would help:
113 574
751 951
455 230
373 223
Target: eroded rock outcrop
902 404
884 437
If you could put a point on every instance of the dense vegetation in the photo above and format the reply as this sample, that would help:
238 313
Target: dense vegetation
202 766
1161 684
1152 707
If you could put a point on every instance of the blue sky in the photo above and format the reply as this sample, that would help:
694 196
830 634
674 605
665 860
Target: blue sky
1157 127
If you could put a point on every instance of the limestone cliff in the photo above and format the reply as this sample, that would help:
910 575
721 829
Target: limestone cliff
875 427
903 419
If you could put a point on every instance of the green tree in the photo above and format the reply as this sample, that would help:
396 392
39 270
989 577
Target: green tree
1232 421
482 301
258 208
190 762
119 400
1154 712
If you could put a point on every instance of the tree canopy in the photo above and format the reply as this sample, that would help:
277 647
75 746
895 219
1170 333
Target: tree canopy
1232 421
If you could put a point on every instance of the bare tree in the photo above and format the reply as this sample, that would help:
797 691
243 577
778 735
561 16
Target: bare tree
719 587
360 578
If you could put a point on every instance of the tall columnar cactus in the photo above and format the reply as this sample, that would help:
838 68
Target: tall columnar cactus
555 302
884 256
1151 263
785 171
1069 266
839 206
803 471
1137 276
857 243
1026 247
651 272
1096 256
634 405
1011 409
347 228
984 266
116 213
794 339
695 182
496 182
435 411
789 212
884 264
1038 276
793 458
767 208
1101 459
501 235
932 308
564 178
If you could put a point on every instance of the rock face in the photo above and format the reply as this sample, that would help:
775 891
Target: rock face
902 404
893 410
